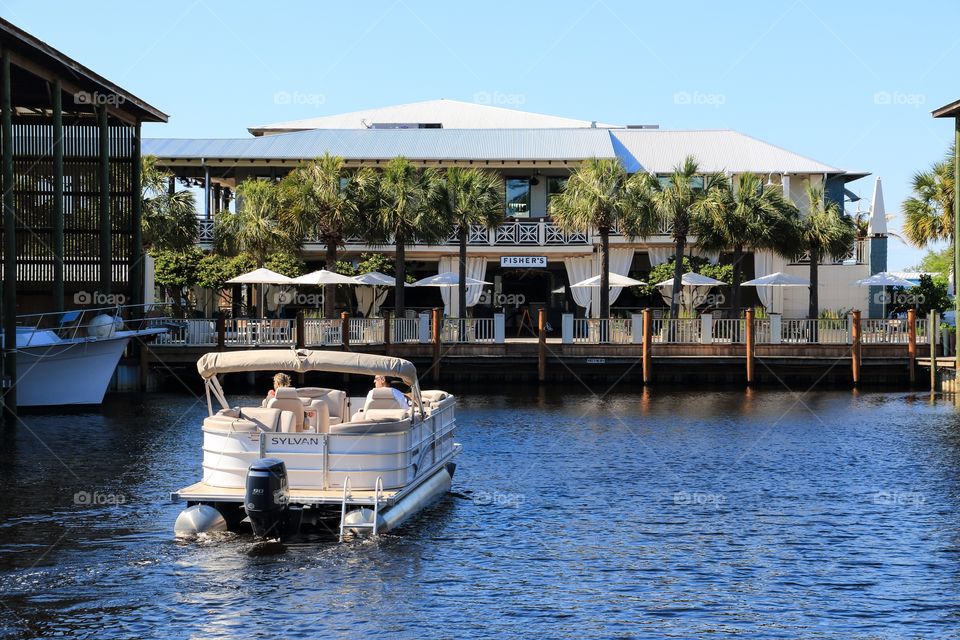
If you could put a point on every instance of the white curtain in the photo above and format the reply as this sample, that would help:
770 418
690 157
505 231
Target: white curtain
370 298
620 261
765 263
580 268
659 255
476 269
690 297
713 257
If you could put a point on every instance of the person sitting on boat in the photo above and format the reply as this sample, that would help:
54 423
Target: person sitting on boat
380 382
279 380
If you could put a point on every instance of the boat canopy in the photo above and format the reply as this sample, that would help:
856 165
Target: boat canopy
303 360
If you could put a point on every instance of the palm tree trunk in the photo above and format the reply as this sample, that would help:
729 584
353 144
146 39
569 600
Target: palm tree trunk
462 288
330 290
814 311
737 277
680 242
604 272
401 271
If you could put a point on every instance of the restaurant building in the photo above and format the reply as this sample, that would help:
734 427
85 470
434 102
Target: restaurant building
530 260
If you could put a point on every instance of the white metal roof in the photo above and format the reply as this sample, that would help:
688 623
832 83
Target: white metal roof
660 150
450 114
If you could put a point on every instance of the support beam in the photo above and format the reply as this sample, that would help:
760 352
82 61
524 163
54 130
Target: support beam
106 241
57 226
206 192
9 245
136 271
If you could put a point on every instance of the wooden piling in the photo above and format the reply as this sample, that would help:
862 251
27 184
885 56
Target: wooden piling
933 324
301 331
855 346
436 345
749 345
542 345
912 344
221 332
647 344
345 330
386 332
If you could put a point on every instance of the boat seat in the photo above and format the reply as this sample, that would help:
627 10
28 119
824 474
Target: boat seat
335 400
363 426
286 399
381 398
382 414
434 395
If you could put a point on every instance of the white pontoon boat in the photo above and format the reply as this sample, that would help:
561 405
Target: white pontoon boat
313 457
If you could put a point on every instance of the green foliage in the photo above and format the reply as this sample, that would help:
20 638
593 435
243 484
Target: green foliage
939 262
344 268
176 269
929 295
214 270
256 228
169 220
286 263
928 212
368 263
664 271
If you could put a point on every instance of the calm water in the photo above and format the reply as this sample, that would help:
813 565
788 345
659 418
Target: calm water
668 514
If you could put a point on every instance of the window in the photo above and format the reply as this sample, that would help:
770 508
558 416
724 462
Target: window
518 197
555 185
696 182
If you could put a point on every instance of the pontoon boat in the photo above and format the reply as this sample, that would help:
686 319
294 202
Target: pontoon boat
314 458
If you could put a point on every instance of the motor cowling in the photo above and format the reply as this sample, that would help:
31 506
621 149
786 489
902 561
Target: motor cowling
266 499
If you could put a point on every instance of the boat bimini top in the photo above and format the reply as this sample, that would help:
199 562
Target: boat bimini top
302 361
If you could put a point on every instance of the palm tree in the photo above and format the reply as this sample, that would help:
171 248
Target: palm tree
928 213
464 197
745 218
402 212
323 198
169 220
601 194
825 231
255 229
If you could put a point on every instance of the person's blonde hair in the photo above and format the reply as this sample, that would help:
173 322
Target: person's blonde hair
281 380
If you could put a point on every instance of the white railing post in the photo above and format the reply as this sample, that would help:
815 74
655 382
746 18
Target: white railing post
424 328
499 328
566 323
636 333
776 328
706 328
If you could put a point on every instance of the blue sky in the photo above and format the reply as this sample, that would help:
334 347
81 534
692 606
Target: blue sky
851 84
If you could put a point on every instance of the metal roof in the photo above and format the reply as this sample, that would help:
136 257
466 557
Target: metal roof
951 110
660 150
450 114
384 144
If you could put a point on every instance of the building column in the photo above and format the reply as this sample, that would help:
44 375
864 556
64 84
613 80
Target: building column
206 192
9 245
106 241
136 271
58 284
217 200
878 263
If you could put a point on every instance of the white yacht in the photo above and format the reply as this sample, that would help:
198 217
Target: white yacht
314 458
72 362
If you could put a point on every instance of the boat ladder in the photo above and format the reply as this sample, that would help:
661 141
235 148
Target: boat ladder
377 498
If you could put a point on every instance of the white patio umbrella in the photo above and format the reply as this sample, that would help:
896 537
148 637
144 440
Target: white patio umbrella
261 277
777 280
697 284
322 277
372 290
884 279
447 279
616 280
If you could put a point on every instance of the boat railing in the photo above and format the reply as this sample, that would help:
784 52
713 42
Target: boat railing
89 321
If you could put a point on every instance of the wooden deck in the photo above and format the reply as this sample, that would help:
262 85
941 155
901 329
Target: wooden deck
200 491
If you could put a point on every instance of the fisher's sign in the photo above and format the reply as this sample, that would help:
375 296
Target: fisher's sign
524 262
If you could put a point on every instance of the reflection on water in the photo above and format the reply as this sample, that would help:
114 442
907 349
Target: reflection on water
657 512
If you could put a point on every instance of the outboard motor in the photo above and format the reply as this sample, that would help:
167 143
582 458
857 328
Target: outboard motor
266 498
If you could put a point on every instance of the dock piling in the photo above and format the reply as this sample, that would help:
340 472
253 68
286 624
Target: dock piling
301 331
749 345
855 345
542 344
345 330
933 325
912 344
647 343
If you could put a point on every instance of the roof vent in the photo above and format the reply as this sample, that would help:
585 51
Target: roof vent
643 126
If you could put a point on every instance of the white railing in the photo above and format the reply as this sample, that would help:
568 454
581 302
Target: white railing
602 331
405 330
923 331
192 332
729 330
458 330
805 331
366 330
676 330
884 332
320 332
255 332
